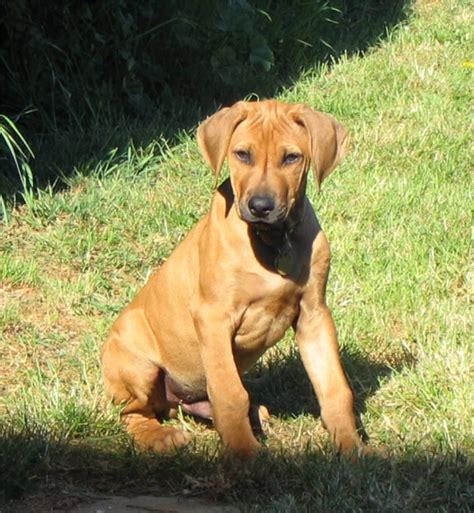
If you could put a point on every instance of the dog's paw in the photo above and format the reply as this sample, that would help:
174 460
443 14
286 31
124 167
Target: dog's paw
247 452
369 451
149 434
168 439
362 451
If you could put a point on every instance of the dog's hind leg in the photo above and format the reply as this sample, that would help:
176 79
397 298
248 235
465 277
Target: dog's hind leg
138 383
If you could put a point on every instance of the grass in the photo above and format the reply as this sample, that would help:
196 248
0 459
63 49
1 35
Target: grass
397 214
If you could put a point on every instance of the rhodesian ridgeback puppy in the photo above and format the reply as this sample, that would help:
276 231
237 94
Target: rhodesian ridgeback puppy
255 265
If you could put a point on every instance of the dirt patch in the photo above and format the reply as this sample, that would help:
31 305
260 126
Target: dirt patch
149 503
92 503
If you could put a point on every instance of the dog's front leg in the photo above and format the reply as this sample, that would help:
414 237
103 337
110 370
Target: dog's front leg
229 399
317 342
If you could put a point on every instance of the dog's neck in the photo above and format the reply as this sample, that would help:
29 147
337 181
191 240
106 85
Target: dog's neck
274 238
279 240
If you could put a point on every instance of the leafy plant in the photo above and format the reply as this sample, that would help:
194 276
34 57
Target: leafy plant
16 144
76 62
17 150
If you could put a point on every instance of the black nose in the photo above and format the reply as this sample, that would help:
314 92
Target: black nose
261 206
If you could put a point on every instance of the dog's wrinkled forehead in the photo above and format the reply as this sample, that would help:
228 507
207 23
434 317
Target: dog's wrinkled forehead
269 119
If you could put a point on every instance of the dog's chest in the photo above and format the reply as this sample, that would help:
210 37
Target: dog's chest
265 321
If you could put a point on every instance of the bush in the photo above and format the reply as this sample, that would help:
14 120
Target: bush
75 61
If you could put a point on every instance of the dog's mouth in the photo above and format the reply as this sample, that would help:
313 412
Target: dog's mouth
262 226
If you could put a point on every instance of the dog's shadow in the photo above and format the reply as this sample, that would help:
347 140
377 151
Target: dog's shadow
281 383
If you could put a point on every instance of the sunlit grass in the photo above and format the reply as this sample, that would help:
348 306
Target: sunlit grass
397 214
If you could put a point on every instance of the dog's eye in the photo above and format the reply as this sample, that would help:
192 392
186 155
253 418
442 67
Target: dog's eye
291 158
243 156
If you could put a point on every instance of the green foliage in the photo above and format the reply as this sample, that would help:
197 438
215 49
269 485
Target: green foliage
75 61
15 143
13 147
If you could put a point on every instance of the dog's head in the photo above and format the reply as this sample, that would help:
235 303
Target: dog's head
270 147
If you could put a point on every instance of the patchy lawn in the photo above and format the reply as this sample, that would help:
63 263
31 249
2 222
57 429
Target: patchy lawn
397 214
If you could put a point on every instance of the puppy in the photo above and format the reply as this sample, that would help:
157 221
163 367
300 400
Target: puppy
256 264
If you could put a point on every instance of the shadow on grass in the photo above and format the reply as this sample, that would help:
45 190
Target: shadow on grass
34 464
59 152
284 387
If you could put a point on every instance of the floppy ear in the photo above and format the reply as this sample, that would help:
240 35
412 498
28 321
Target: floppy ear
214 134
328 141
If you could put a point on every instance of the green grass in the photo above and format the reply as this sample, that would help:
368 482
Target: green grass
398 216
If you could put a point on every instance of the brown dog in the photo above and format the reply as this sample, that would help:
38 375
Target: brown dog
255 265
